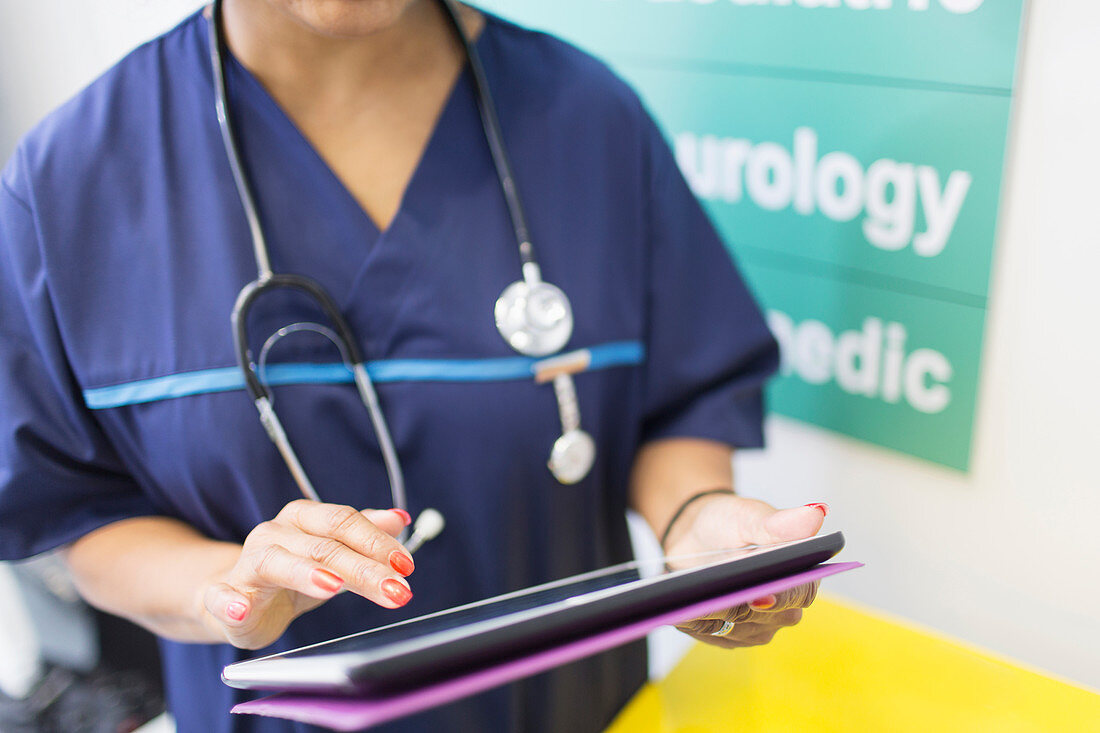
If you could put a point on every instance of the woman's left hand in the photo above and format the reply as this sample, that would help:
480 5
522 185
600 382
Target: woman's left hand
724 521
752 624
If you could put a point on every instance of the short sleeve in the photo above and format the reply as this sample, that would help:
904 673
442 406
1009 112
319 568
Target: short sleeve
708 348
59 476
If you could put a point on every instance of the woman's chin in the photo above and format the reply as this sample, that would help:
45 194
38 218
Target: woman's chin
345 18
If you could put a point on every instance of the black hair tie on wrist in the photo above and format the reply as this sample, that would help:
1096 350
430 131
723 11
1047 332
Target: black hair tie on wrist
688 502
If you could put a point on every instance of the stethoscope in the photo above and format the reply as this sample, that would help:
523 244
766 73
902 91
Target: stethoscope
533 316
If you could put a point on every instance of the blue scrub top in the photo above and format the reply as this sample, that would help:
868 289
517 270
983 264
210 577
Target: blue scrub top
123 246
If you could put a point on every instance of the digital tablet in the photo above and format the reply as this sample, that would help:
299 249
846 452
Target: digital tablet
433 647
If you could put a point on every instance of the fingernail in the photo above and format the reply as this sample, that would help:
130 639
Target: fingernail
763 604
326 581
401 563
236 610
820 505
396 591
405 516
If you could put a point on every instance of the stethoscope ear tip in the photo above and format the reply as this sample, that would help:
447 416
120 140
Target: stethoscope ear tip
427 526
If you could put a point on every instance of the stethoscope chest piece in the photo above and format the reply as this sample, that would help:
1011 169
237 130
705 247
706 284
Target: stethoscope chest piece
534 318
572 456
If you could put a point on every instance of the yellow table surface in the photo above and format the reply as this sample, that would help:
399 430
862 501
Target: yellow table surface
845 669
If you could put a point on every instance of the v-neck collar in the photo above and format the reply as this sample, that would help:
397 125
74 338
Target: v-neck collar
317 228
260 95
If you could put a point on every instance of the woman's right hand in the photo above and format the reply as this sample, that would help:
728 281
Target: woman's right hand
300 559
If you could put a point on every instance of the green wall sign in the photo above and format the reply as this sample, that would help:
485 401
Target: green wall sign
851 153
960 42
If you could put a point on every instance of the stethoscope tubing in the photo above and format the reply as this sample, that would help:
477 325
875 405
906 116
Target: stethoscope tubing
229 142
494 136
267 281
266 284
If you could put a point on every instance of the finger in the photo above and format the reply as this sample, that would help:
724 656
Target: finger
744 612
745 633
344 524
227 605
390 521
701 626
759 523
738 639
713 622
741 615
735 614
274 566
789 617
382 583
760 610
793 524
764 602
753 634
718 641
799 597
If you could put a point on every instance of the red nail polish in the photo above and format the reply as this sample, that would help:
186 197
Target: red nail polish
236 611
396 591
326 581
820 505
405 517
763 604
401 563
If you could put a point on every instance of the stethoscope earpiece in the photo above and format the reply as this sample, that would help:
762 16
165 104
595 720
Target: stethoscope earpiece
426 527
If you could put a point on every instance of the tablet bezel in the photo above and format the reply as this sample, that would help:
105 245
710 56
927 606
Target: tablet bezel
412 662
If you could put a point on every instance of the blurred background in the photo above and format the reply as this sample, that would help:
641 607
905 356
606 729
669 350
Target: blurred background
911 189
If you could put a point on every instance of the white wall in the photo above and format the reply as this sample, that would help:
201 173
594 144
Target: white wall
50 49
1004 557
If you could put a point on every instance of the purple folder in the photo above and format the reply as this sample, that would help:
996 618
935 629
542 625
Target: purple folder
348 713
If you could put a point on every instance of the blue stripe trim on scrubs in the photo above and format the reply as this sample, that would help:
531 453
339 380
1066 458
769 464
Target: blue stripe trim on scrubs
225 379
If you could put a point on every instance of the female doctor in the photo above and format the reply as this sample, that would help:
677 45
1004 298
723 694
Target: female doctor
462 213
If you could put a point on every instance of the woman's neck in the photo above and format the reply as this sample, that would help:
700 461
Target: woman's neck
299 65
